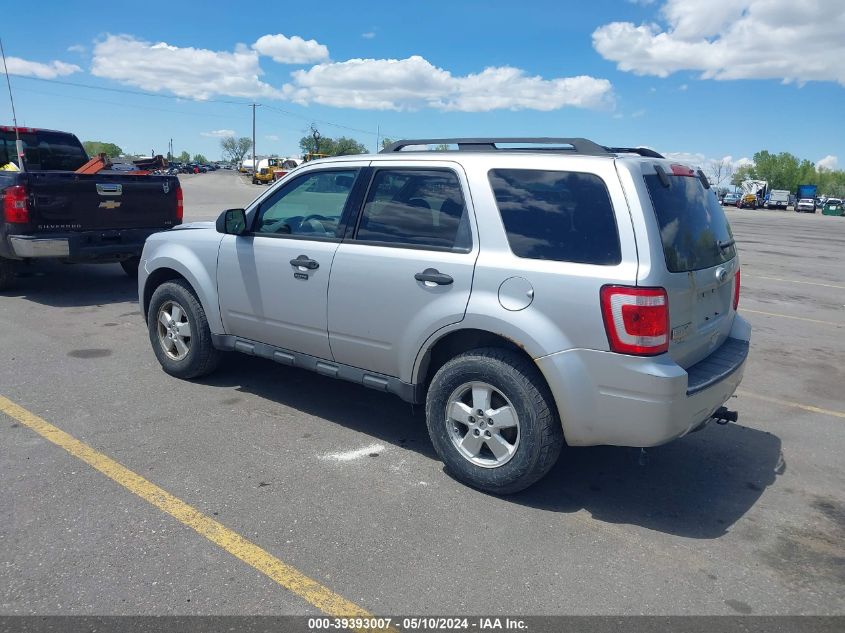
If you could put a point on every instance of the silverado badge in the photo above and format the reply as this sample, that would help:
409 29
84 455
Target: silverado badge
110 204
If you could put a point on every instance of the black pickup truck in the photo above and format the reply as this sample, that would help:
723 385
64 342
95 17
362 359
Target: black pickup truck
49 211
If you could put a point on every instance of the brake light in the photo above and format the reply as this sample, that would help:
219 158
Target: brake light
15 205
636 319
682 170
736 290
179 204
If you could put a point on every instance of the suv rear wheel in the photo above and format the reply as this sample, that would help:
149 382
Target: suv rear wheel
179 331
492 420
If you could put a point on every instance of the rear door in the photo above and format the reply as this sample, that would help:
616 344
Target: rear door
699 258
406 269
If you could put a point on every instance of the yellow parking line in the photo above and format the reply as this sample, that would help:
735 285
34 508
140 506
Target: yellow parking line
291 579
795 281
789 403
788 316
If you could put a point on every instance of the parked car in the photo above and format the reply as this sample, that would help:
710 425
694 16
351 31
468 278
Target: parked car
730 199
806 205
52 212
833 206
437 276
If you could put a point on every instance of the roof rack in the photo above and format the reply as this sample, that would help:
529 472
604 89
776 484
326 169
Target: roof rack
642 151
577 145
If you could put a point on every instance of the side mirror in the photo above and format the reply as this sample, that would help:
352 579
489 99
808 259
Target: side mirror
232 222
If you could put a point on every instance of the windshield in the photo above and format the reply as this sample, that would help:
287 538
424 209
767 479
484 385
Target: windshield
693 226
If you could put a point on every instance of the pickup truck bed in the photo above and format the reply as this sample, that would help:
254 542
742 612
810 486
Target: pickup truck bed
49 211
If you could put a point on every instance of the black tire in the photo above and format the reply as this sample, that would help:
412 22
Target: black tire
7 273
202 358
540 432
130 267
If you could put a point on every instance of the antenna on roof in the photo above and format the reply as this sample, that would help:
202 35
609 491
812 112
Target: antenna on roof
18 143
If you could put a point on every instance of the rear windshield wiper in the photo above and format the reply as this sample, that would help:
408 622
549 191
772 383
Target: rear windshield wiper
727 244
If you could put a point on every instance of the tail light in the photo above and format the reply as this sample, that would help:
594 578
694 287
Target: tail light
636 319
15 205
736 290
180 213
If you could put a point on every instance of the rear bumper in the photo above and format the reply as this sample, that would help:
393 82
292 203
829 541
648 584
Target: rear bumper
620 400
84 246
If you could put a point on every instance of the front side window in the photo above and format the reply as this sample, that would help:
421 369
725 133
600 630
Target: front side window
311 205
557 215
416 207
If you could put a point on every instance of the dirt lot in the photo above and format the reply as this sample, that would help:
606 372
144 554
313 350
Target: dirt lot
341 483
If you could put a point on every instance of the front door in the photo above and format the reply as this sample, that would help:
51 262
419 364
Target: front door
273 281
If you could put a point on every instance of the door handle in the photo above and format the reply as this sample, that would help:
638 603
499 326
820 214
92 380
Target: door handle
434 276
305 262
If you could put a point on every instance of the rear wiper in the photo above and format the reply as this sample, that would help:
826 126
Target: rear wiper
728 244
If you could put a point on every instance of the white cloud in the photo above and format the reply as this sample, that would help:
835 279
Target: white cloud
218 133
828 163
683 87
193 73
291 50
368 35
77 48
733 39
414 83
637 114
272 137
51 70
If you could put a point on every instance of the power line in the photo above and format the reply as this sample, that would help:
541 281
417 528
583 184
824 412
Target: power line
178 98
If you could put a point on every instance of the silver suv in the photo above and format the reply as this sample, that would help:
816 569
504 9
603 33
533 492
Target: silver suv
530 292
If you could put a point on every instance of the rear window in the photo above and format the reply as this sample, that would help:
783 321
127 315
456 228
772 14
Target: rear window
44 151
557 215
693 227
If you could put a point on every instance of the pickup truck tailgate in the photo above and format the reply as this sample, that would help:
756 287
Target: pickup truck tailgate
108 200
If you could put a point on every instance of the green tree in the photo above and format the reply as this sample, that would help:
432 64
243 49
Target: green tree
743 172
95 148
234 149
184 157
385 142
345 146
199 158
315 143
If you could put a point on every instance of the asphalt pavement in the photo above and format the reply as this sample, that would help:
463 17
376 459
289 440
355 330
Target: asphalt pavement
341 483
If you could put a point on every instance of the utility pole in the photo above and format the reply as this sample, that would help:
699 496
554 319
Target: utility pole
378 136
253 138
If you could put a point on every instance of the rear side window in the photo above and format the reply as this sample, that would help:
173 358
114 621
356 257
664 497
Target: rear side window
693 227
44 151
557 215
416 207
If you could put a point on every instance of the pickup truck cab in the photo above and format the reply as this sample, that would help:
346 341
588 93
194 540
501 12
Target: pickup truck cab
50 211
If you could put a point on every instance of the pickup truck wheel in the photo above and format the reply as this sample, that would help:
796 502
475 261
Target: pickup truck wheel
492 420
130 266
7 273
179 332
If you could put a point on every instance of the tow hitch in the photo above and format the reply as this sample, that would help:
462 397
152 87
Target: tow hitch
722 416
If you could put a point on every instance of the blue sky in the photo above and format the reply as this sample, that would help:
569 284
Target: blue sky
707 79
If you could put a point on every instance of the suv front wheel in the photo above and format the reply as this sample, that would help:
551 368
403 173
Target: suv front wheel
179 331
492 420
